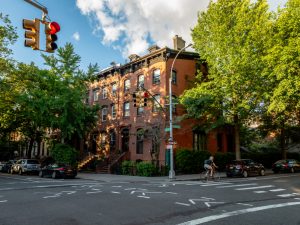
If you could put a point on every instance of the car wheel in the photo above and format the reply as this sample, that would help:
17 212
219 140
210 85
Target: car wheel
292 170
245 174
20 172
41 174
262 172
54 175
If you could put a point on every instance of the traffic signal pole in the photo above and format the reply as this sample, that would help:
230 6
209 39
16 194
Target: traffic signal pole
39 6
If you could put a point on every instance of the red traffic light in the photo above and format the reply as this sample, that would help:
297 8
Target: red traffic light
54 28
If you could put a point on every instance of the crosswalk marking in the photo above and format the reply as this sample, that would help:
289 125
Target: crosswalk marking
214 184
259 192
288 195
237 185
251 188
276 190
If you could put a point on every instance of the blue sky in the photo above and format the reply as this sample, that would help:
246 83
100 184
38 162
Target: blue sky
103 31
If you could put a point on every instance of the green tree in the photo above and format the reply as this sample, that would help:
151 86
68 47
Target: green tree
283 70
231 37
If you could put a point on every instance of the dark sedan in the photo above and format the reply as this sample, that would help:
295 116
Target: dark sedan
286 165
58 171
5 167
245 168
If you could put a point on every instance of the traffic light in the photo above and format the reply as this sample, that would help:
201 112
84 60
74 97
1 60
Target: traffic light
134 97
51 28
145 98
32 33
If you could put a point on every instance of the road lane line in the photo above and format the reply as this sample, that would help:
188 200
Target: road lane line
260 192
179 203
251 188
236 213
237 185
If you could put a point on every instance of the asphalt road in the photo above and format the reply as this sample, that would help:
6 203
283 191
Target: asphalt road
30 200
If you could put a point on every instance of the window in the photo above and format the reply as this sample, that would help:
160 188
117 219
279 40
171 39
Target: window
95 94
141 81
139 141
126 109
156 103
174 77
156 76
140 110
104 93
199 140
104 113
126 85
113 111
112 139
174 103
114 89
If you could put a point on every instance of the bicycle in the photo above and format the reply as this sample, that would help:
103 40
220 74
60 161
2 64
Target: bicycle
205 175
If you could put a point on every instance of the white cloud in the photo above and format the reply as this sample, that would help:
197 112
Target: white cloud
133 25
76 36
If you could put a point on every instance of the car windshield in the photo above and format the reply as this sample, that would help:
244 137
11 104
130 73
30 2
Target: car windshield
32 161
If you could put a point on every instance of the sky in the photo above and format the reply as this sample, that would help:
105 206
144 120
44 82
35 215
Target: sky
105 31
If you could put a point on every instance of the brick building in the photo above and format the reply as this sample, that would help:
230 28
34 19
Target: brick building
140 133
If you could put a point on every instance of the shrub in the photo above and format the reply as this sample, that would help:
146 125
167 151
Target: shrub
188 161
128 167
146 169
63 153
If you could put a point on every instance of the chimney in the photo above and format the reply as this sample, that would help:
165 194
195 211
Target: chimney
179 43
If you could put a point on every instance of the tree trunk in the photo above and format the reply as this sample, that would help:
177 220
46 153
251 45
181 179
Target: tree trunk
282 142
237 137
29 152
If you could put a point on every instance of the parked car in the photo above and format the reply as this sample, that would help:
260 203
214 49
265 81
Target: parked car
58 170
25 166
5 166
245 168
286 165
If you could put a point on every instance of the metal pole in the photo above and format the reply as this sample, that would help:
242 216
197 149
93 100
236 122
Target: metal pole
171 141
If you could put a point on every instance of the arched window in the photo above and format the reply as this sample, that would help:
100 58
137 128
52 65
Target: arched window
126 85
141 81
126 109
174 77
156 76
104 113
156 103
139 141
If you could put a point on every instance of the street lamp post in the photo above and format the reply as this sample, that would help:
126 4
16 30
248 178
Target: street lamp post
171 141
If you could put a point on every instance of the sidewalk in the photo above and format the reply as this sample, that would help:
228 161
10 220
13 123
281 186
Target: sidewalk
135 179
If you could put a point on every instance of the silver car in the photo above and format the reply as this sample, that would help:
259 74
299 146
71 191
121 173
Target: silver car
25 166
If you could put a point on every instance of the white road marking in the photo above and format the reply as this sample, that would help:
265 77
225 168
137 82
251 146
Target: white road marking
244 204
259 192
172 193
251 188
279 189
237 185
115 192
179 203
3 201
288 195
212 183
208 203
116 186
93 192
141 196
236 213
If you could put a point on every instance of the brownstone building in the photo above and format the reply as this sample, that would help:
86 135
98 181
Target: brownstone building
138 130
